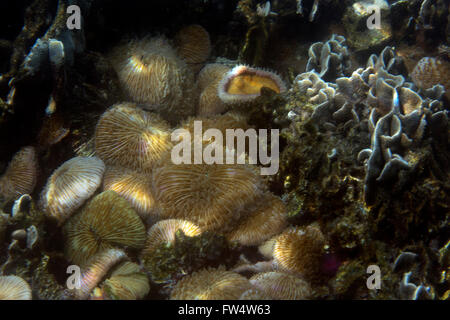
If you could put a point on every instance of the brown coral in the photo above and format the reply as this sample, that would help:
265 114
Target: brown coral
164 232
20 175
208 82
131 137
208 195
14 288
264 219
127 282
300 251
151 72
193 45
281 286
99 265
132 185
229 120
430 71
107 221
210 284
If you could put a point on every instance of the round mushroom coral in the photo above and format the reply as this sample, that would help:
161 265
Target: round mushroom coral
300 251
151 73
107 221
263 219
71 185
208 82
20 175
133 186
14 288
281 286
131 137
210 196
164 232
193 45
210 284
127 282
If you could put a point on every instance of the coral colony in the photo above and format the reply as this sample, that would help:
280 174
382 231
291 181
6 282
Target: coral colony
237 150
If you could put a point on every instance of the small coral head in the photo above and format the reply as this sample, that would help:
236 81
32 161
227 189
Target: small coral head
243 84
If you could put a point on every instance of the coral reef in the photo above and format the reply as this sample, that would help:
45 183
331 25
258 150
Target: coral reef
361 105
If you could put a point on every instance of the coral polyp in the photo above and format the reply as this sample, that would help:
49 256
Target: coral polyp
151 73
243 84
281 286
193 45
210 284
263 219
131 137
106 222
299 251
127 282
164 232
20 175
208 195
208 82
132 185
14 288
71 185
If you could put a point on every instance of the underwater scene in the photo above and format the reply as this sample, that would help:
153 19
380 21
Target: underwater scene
224 150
